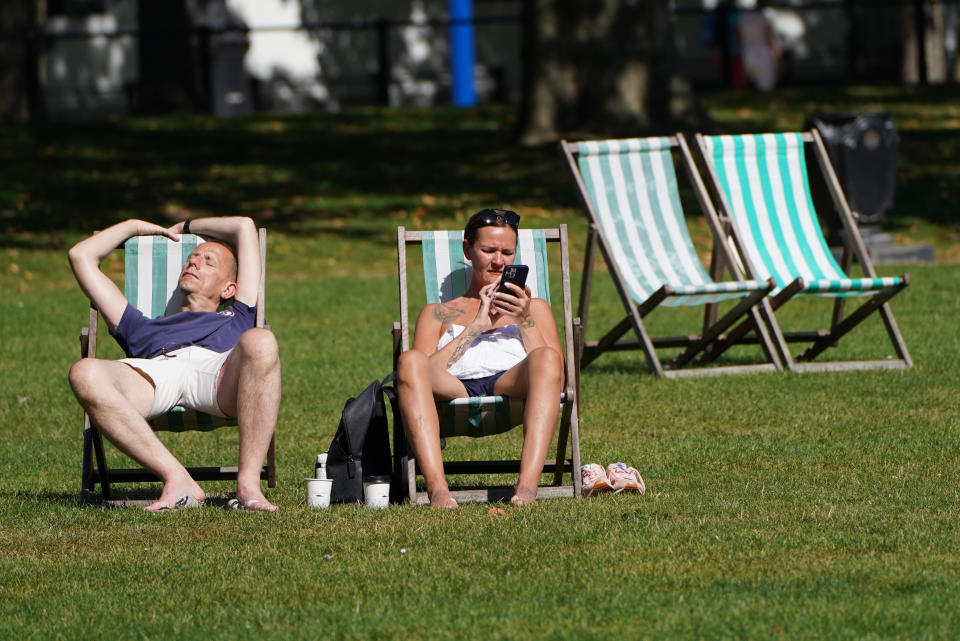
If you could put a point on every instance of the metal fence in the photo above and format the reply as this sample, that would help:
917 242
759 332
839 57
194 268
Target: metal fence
846 40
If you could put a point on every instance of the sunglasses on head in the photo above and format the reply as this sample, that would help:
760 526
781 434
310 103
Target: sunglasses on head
491 217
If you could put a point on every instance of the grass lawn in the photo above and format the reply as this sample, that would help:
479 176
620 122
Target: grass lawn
778 506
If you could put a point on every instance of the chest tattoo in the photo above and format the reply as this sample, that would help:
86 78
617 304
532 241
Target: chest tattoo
447 313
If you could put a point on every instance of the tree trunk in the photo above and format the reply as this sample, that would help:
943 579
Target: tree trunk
21 43
601 67
924 51
171 65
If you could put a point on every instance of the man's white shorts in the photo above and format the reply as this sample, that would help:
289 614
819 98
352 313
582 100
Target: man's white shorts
185 377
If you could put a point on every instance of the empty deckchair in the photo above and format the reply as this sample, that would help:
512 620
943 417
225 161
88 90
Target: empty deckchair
761 184
151 270
628 188
446 276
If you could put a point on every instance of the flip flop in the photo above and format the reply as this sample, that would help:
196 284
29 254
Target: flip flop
183 502
186 501
235 504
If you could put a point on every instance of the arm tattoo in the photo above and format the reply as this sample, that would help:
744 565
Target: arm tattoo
446 313
462 347
528 322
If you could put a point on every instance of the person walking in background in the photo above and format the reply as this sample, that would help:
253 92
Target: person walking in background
761 56
719 32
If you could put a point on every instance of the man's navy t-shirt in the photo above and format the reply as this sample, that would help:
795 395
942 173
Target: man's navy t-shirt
142 337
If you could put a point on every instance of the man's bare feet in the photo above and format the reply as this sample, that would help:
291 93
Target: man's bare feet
172 496
255 501
523 496
442 499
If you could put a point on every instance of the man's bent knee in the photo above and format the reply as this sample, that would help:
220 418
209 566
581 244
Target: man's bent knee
89 376
83 377
94 380
260 345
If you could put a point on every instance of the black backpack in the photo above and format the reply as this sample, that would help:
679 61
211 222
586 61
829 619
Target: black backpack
361 446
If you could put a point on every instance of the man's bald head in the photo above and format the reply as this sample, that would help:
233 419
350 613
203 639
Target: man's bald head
229 257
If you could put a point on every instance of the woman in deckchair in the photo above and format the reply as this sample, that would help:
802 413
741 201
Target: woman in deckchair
480 344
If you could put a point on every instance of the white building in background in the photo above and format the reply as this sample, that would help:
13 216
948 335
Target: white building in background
90 60
91 67
283 60
91 53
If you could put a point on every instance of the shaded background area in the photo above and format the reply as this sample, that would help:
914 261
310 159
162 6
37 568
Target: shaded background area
70 59
305 152
369 169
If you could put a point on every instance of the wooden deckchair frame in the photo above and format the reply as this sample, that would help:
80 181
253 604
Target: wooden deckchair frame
853 246
405 468
710 343
94 468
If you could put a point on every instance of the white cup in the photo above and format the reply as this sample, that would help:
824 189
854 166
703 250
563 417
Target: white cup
376 491
318 492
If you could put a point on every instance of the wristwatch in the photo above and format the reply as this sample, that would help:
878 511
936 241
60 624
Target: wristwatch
186 226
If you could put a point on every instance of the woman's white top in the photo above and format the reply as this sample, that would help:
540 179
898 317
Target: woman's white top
490 353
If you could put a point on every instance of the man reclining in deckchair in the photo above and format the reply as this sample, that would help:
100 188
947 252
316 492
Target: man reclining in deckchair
201 359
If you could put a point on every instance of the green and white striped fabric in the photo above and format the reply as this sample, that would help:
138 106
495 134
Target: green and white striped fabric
764 181
180 419
632 187
446 273
152 267
479 416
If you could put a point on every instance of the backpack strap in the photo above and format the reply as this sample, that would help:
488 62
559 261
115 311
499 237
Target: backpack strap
390 391
401 448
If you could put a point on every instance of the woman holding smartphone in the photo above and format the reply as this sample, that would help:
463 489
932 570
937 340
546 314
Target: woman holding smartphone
486 342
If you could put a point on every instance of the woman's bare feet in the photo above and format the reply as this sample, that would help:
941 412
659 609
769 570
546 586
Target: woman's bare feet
255 501
442 499
523 496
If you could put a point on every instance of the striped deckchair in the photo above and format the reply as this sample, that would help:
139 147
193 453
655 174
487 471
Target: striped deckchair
446 276
761 184
628 188
152 267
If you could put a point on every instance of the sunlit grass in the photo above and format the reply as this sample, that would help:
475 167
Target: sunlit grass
779 506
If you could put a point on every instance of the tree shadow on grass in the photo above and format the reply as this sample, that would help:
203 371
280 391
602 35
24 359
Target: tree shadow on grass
290 173
132 498
356 172
926 189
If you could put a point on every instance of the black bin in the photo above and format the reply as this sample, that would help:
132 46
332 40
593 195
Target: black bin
863 150
230 87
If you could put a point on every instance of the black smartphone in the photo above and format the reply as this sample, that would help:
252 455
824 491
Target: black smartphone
516 274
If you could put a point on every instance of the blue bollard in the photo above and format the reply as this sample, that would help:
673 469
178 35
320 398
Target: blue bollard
461 53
